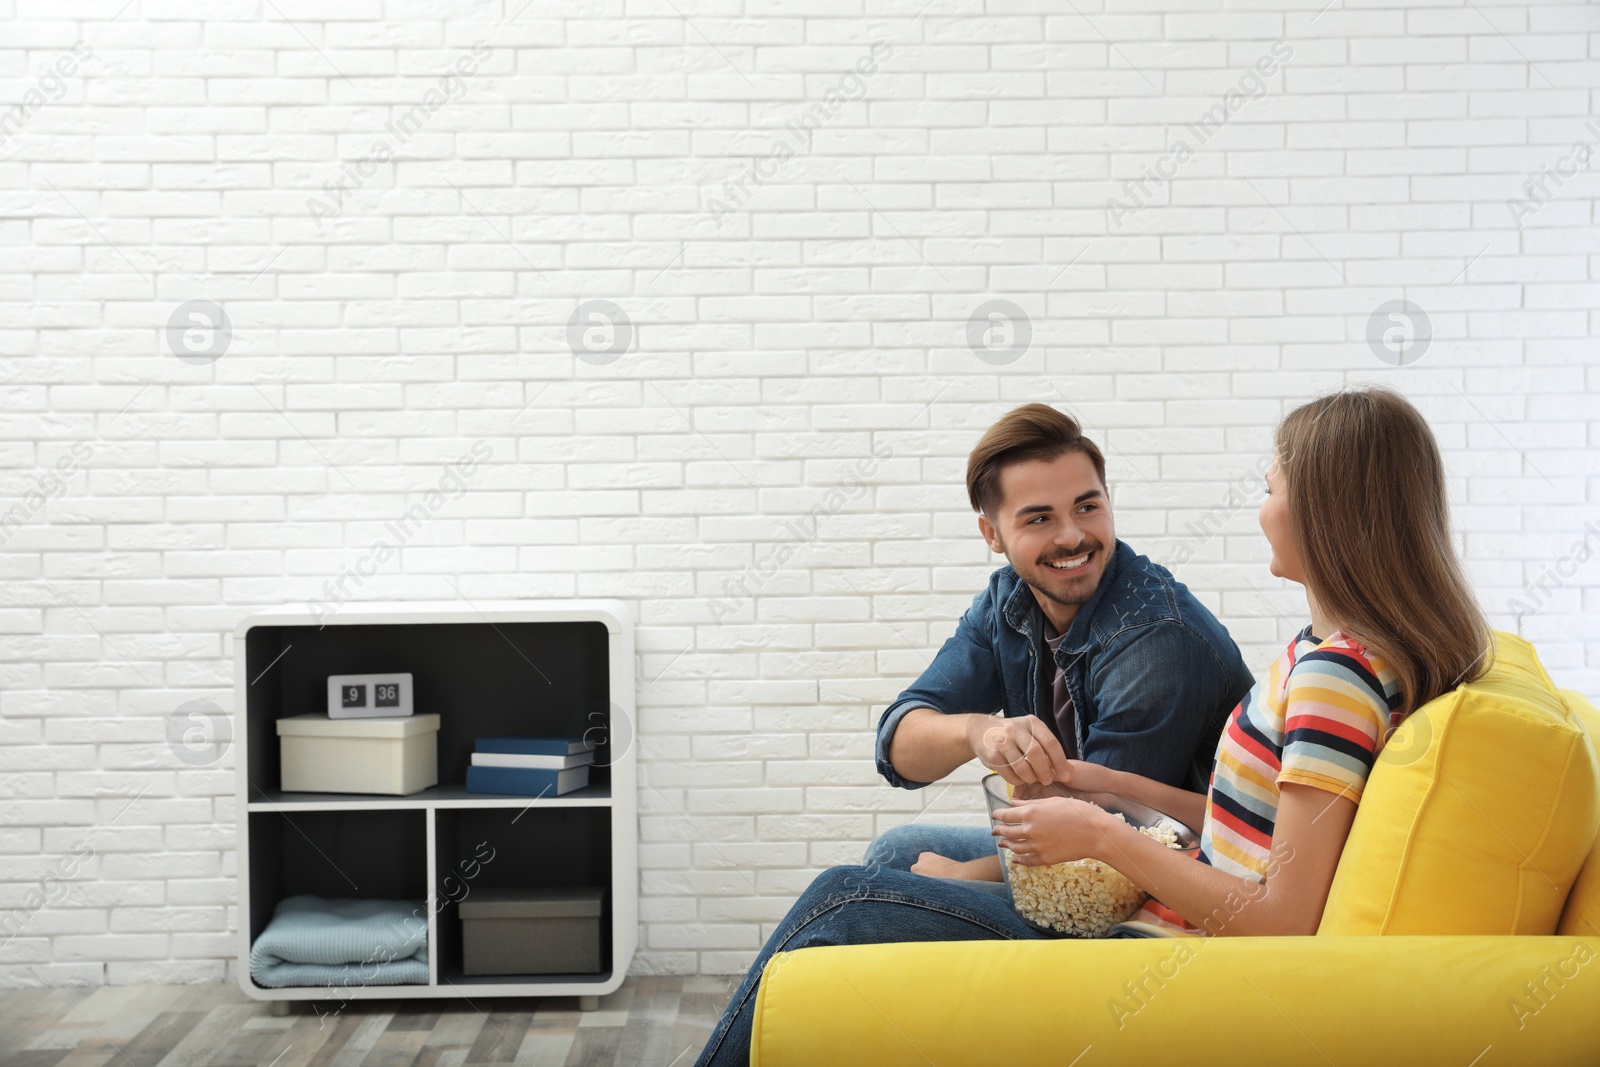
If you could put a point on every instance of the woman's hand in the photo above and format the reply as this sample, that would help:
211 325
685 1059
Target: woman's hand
1053 830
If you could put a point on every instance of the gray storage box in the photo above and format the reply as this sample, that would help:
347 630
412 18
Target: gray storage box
532 931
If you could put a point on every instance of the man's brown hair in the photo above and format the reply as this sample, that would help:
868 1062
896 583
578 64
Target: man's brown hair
1033 431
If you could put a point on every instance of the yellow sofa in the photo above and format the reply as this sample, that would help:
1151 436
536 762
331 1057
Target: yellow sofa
1462 929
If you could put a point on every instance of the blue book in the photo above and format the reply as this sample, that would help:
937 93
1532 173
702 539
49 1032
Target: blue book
535 746
526 781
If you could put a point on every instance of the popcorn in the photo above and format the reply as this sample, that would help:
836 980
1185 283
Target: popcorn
1085 898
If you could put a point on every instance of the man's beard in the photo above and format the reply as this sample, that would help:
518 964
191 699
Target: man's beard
1074 598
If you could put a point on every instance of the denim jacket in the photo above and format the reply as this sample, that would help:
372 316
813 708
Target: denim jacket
1152 674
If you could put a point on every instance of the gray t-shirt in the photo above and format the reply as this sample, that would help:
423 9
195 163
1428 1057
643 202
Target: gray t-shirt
1060 699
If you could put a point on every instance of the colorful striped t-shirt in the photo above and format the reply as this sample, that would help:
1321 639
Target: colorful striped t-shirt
1319 720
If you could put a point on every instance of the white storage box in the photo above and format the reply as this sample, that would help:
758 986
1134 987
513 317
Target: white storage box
323 755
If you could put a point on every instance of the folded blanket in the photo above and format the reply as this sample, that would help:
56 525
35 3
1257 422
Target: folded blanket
313 941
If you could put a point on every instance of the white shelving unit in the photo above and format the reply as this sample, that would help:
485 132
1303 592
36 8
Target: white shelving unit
558 667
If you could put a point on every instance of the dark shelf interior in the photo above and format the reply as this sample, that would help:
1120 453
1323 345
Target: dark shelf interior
482 679
366 855
504 848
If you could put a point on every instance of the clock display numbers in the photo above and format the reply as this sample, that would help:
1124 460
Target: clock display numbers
355 696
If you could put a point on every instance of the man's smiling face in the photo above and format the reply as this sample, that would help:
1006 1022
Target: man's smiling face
1054 525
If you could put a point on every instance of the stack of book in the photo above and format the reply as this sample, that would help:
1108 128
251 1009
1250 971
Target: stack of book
530 766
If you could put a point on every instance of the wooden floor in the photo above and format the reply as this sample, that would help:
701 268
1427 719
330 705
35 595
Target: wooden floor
651 1022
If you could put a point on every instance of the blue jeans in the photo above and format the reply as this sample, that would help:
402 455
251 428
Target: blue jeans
878 903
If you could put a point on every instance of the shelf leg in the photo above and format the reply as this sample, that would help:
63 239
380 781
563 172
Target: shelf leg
279 1008
588 1002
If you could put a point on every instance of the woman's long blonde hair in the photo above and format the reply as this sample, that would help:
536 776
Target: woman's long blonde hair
1371 522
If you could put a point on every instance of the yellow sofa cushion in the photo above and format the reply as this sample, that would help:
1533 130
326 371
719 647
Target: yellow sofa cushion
1208 1002
1581 916
1478 814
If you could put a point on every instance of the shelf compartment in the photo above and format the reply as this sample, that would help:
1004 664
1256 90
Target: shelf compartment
531 848
337 855
483 679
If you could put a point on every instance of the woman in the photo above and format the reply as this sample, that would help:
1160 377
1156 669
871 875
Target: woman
1356 512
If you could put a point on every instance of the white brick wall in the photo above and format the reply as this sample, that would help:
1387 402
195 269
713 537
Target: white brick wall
786 333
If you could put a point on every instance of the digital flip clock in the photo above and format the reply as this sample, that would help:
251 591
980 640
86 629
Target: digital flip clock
367 696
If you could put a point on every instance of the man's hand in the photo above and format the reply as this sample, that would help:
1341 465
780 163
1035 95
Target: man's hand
1021 749
1081 777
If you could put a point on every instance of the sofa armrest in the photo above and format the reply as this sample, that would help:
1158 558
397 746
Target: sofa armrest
1189 1001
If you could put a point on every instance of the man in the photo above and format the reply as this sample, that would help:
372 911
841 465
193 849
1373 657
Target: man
1090 651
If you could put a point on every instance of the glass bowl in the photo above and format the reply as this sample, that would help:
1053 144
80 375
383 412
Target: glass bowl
997 794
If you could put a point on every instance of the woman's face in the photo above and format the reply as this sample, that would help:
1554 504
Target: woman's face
1275 524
